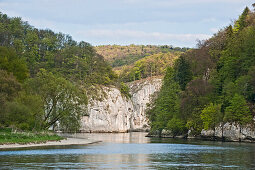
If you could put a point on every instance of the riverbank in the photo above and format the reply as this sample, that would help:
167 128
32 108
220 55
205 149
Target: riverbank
229 132
67 141
8 136
12 139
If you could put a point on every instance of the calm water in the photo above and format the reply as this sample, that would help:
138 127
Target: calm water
133 151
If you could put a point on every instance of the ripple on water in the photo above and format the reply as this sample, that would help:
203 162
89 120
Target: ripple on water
122 149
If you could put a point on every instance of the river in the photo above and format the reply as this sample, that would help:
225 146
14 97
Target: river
133 151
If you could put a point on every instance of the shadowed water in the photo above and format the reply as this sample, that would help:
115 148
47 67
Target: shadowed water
133 151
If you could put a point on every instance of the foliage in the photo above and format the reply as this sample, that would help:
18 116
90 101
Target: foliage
127 55
183 72
124 90
62 99
9 88
10 62
166 106
25 46
241 22
177 126
211 115
25 112
238 111
149 66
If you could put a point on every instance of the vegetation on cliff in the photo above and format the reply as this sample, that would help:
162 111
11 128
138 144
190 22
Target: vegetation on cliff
211 84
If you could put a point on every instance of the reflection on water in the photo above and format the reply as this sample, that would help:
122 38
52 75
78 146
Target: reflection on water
133 151
134 137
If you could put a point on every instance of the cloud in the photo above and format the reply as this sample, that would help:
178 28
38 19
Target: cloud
146 35
209 20
214 30
140 37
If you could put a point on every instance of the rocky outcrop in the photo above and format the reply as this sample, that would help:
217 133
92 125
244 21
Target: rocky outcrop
163 134
112 112
231 132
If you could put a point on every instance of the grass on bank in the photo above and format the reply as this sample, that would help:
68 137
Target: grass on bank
9 137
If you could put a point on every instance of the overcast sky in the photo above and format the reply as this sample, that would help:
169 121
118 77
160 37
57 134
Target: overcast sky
171 22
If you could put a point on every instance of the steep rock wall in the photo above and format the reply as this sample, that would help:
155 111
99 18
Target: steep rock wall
115 113
231 132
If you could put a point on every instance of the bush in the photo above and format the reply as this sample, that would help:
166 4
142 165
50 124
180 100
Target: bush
124 90
177 126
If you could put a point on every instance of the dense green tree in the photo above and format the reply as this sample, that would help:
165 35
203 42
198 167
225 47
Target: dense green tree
167 104
25 112
10 62
238 111
124 90
251 95
211 116
9 88
241 22
183 72
62 100
177 126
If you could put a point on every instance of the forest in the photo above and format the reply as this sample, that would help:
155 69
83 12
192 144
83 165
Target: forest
118 55
210 85
45 76
135 62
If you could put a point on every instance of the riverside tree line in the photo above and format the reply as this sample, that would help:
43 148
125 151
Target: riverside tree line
212 84
45 76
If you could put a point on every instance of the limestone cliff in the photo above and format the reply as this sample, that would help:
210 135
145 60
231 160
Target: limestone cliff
231 132
112 112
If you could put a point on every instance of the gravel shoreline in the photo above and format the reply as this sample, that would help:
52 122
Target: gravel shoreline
67 141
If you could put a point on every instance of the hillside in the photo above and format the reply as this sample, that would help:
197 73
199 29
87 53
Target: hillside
126 55
211 85
153 65
45 76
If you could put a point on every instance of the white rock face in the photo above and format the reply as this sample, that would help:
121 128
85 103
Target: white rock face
232 132
116 113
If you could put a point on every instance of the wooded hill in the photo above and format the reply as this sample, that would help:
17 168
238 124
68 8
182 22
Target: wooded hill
135 62
212 84
119 55
45 76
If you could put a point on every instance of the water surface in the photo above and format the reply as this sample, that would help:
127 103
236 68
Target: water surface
133 151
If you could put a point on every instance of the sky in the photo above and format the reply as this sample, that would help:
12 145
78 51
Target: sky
155 22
